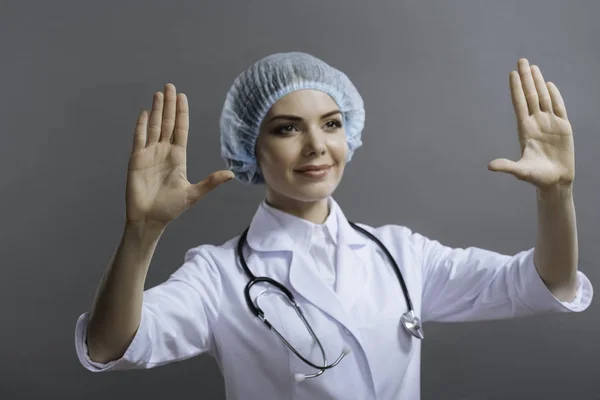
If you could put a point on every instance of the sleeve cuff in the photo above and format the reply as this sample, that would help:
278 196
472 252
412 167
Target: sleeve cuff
136 355
536 296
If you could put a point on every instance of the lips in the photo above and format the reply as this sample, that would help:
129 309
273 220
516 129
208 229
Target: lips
314 168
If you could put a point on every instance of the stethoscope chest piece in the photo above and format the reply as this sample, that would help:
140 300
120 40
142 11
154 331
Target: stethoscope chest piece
412 324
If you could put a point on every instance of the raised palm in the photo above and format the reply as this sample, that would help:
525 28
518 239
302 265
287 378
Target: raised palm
545 133
158 190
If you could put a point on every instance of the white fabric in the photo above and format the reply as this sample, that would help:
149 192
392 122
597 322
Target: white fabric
317 239
201 308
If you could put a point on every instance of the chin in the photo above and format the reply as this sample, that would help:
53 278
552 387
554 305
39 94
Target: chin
312 193
292 187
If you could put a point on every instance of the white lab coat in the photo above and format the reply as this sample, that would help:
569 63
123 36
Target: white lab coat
201 308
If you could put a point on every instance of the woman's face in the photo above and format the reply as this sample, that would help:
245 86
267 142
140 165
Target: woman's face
302 130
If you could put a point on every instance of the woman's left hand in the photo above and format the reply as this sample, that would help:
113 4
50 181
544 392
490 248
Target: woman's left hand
545 134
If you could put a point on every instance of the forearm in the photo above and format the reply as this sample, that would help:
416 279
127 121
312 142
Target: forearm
556 251
117 306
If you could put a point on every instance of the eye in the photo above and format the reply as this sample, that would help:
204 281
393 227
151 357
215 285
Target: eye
285 129
333 124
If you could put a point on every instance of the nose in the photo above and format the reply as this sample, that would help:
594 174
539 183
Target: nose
314 143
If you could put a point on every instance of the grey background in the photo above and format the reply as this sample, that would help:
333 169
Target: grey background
434 77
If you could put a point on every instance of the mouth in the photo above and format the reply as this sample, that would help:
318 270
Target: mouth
314 171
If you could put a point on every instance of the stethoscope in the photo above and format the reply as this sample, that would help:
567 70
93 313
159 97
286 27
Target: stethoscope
410 321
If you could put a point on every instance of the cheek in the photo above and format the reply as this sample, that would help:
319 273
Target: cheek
339 148
277 160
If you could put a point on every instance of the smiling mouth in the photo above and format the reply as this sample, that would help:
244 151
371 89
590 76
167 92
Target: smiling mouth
314 167
315 172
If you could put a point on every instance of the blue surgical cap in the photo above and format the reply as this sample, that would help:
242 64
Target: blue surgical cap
254 92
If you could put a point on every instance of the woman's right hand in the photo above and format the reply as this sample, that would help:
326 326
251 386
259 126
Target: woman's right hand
158 190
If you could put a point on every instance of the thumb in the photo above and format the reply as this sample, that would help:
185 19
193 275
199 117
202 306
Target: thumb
507 166
215 179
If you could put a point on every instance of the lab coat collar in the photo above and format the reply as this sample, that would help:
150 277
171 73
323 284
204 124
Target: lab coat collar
270 233
301 230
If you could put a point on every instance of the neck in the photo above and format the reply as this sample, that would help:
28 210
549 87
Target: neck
313 211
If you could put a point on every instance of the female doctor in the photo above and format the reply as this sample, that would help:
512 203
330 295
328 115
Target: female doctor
305 304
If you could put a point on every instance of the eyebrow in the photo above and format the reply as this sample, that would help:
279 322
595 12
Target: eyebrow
296 118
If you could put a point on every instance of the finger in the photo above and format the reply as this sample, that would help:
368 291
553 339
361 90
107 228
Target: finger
182 121
558 104
155 119
507 166
529 89
139 137
215 179
517 96
540 85
168 117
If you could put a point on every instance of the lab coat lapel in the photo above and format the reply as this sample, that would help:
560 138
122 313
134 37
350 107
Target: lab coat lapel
267 235
305 280
352 267
351 273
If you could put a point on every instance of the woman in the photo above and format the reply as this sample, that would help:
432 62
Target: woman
292 122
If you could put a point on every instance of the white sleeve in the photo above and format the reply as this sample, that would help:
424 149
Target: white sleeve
176 319
477 284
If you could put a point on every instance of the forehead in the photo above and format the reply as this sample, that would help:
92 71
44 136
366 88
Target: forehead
304 103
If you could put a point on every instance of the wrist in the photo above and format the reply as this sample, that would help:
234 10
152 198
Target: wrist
144 229
555 193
